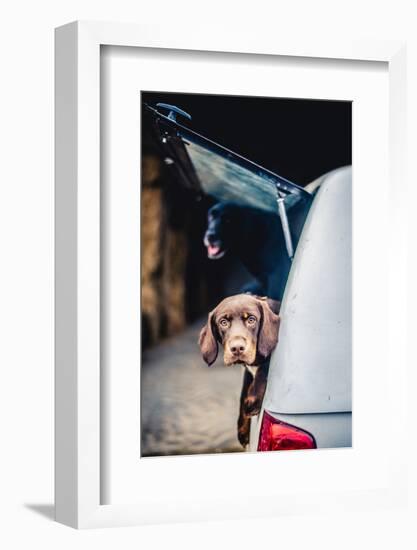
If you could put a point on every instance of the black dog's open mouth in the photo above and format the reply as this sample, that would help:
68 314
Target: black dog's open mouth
214 250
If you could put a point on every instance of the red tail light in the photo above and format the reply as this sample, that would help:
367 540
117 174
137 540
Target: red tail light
279 436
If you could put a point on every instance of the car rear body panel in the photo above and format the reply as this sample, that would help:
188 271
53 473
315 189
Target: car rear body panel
311 367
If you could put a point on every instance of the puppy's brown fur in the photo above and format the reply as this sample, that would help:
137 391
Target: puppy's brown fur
247 326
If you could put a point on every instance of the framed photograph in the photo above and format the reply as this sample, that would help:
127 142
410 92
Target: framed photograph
229 245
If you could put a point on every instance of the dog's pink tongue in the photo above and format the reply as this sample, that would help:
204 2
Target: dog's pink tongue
213 250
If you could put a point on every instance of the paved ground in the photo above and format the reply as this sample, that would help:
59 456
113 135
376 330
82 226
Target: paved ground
187 407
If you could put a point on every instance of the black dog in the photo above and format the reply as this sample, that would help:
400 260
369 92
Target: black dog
256 238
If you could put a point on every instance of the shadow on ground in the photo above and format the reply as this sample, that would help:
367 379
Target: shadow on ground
45 510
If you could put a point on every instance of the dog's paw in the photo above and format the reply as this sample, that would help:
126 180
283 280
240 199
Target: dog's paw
252 406
243 437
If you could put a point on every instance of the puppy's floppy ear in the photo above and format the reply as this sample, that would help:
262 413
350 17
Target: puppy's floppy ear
208 341
274 305
268 331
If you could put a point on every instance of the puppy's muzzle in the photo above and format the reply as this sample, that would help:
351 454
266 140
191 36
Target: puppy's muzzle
237 348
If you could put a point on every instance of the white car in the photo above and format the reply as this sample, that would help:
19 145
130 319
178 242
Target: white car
308 400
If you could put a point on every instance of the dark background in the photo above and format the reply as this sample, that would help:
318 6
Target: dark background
299 139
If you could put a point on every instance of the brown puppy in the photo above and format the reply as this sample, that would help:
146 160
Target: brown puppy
247 327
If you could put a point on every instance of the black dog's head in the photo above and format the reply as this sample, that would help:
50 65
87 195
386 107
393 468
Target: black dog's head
219 225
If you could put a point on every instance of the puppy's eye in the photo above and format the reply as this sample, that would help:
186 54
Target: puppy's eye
224 323
251 320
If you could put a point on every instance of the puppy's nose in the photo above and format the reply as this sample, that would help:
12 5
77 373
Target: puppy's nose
237 347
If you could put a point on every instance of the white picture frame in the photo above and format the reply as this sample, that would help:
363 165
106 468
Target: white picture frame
78 321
